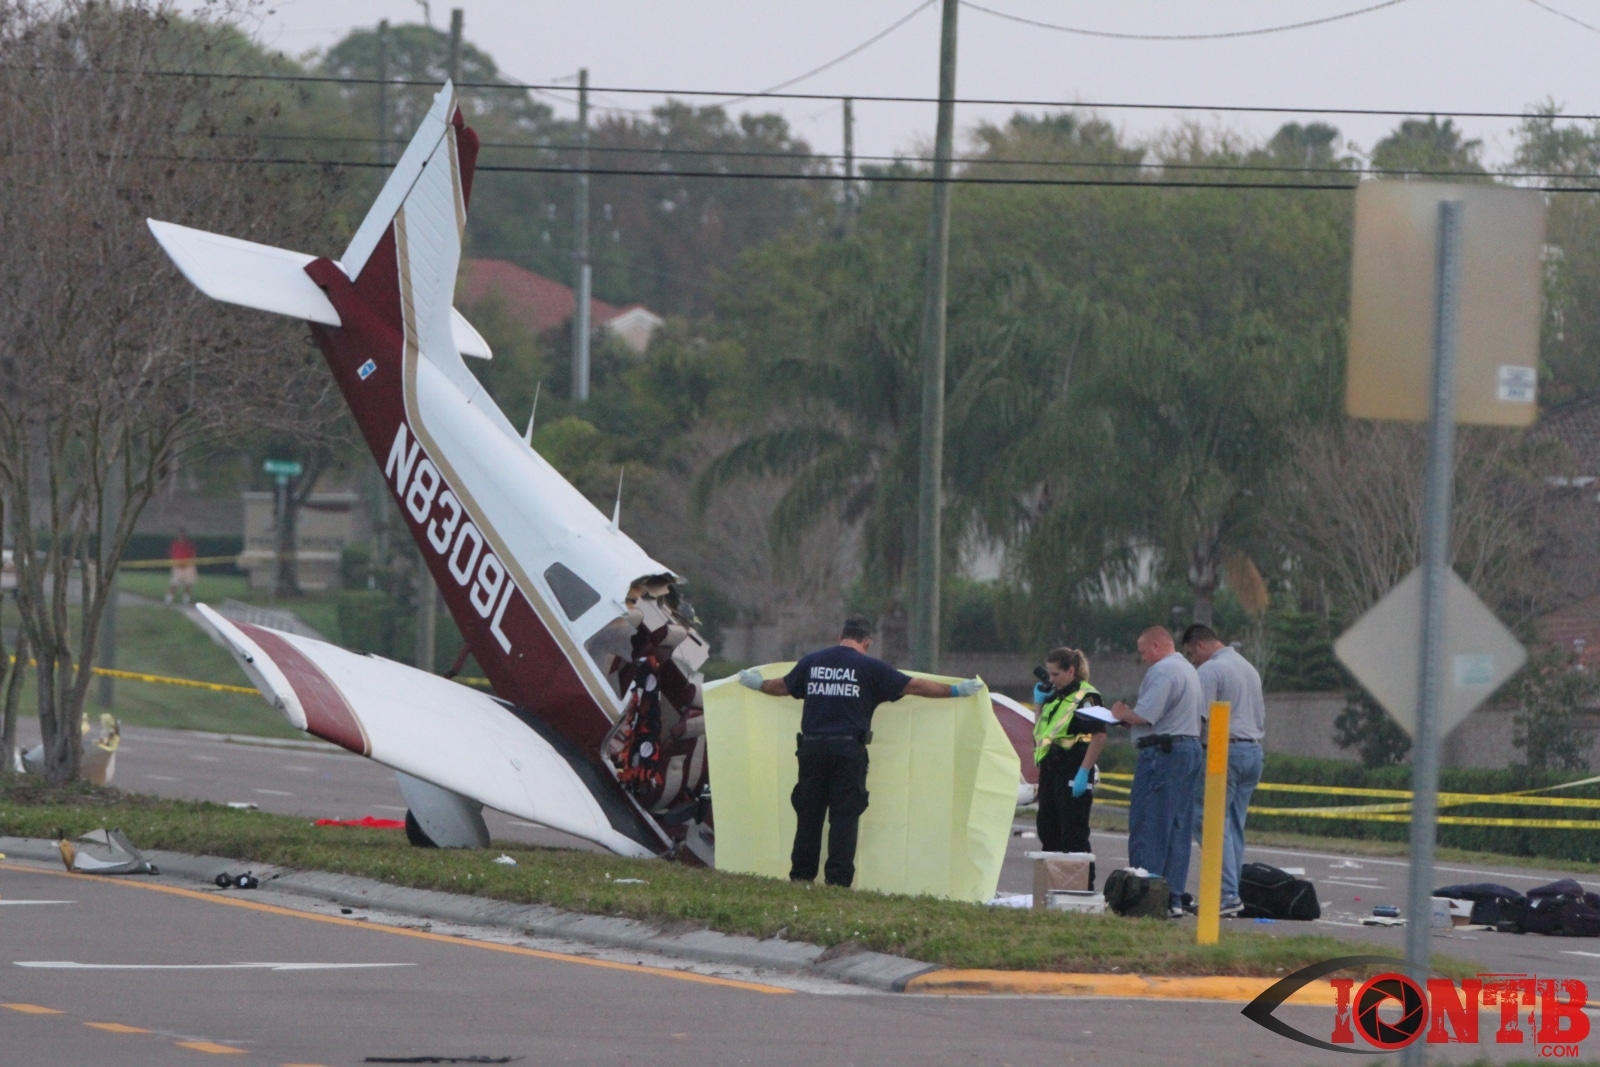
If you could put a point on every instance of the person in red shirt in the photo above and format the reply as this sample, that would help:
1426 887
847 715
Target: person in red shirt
181 553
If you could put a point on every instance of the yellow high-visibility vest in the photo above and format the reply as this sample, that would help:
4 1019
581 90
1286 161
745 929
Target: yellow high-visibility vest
1050 725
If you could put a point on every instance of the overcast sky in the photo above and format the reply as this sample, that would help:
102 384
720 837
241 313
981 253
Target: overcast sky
1446 56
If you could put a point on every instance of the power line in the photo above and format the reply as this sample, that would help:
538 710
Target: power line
892 179
1087 105
830 158
834 62
1564 15
1182 36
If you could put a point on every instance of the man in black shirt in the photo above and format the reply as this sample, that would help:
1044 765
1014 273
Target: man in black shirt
841 686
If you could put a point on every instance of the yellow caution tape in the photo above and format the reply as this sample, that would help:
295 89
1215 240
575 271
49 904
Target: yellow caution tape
135 676
158 564
1401 812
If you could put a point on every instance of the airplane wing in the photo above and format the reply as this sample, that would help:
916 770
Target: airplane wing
434 729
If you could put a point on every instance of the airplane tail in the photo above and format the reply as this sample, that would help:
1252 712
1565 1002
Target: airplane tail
272 279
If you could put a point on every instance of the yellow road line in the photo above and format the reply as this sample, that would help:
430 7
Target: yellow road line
1035 983
517 950
117 1028
210 1046
31 1009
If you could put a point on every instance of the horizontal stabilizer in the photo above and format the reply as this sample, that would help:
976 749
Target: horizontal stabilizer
245 273
269 279
433 729
469 342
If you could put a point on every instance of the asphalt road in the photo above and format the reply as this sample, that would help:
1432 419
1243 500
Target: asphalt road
136 972
460 1000
320 781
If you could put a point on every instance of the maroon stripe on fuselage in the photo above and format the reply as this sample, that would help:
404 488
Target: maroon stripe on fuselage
328 715
1019 732
536 674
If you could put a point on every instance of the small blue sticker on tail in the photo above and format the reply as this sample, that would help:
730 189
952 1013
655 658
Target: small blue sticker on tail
366 369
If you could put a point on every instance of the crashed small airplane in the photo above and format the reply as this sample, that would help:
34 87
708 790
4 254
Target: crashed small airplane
596 727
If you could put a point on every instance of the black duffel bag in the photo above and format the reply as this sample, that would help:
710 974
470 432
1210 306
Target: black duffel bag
1137 895
1268 893
1492 904
1560 909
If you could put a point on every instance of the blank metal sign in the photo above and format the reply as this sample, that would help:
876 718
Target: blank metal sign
1392 293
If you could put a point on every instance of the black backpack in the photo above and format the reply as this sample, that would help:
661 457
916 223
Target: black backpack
1268 893
1492 904
1137 895
1560 909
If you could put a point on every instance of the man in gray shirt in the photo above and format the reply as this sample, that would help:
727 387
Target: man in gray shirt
1226 675
1166 725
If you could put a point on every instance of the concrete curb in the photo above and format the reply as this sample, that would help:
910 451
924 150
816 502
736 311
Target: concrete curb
875 970
1120 986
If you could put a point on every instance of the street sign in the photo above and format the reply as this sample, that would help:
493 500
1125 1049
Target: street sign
1381 651
284 468
1392 302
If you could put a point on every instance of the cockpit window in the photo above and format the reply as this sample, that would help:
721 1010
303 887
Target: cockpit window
575 594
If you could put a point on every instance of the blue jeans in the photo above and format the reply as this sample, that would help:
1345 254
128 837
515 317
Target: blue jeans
1161 811
1244 774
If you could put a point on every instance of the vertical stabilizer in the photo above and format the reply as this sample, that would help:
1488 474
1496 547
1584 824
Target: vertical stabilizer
413 162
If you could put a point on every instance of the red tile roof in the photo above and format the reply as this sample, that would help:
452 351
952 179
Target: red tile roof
539 303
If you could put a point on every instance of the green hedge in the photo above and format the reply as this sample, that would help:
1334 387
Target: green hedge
1583 845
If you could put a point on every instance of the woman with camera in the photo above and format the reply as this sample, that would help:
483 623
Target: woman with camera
1066 746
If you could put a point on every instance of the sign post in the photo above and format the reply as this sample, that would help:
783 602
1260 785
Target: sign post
282 470
1406 348
1435 561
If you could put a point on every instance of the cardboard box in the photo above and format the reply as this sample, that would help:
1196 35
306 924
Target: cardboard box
1057 871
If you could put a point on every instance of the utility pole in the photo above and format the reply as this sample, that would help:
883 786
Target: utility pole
455 48
383 91
925 604
580 314
849 203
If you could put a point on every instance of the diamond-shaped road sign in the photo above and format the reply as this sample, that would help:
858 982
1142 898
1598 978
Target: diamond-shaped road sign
1381 650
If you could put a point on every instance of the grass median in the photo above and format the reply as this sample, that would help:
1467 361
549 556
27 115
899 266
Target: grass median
936 931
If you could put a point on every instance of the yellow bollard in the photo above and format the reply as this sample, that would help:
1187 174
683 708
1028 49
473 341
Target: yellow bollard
1210 918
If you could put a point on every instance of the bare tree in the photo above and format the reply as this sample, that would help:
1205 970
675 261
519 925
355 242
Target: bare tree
111 366
1348 513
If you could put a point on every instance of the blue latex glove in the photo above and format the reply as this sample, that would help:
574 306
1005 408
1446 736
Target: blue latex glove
966 687
750 678
1080 782
1042 693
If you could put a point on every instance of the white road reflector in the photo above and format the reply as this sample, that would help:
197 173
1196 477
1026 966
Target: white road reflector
71 965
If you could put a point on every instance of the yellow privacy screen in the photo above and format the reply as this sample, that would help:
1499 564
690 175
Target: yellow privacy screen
943 785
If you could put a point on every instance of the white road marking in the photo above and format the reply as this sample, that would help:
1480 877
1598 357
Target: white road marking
1358 885
4 902
206 759
71 965
295 767
272 792
162 778
390 807
1576 952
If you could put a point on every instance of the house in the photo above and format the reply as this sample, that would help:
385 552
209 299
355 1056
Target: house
544 305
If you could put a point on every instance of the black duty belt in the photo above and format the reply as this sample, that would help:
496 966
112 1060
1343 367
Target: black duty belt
864 737
1164 741
1243 741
